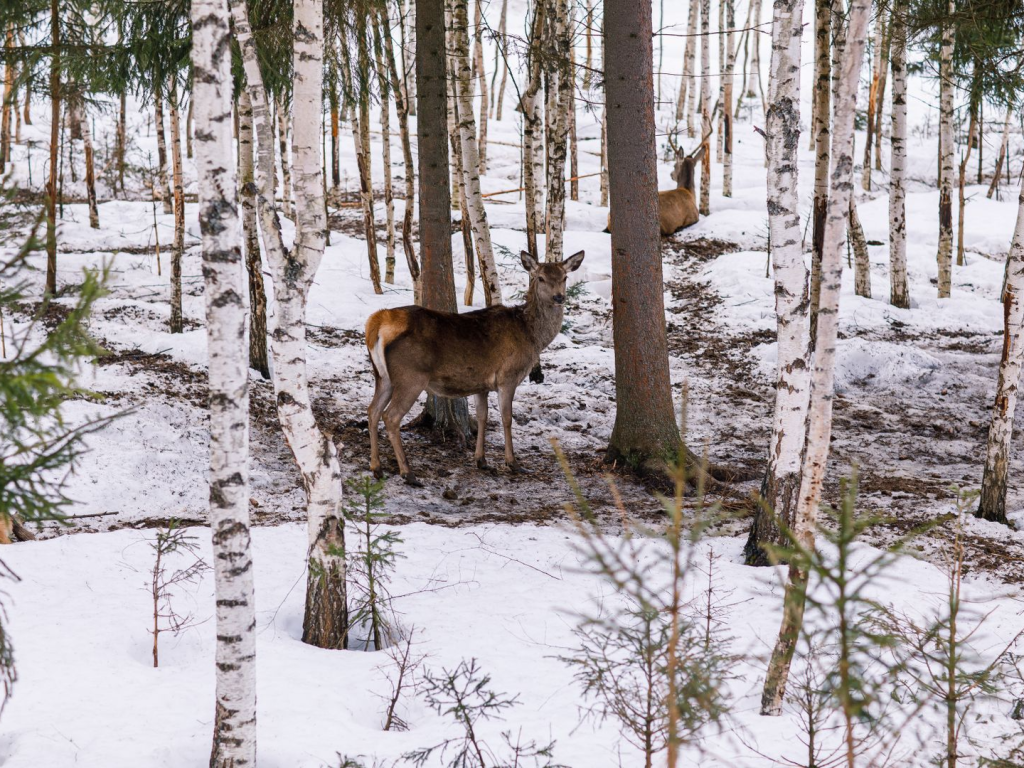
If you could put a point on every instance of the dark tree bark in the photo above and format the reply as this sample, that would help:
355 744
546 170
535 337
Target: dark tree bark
437 277
51 184
645 427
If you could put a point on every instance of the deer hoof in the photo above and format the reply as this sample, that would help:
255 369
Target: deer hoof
378 472
411 479
481 463
518 469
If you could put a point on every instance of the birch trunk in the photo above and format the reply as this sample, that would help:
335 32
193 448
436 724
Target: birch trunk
234 730
971 134
705 106
882 82
874 98
28 85
335 140
1002 156
946 85
861 258
90 172
5 119
604 157
188 130
719 146
122 138
286 174
589 40
754 87
726 110
361 140
51 184
500 43
481 77
687 84
1000 431
164 191
408 32
470 159
458 174
251 238
533 150
178 250
821 134
782 477
899 294
325 623
383 83
574 160
557 118
819 413
402 108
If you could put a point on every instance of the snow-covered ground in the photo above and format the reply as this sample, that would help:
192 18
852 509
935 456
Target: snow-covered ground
490 569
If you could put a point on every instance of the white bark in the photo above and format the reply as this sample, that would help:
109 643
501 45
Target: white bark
90 169
705 106
325 622
178 252
470 156
384 83
946 85
408 31
533 145
286 176
861 258
1000 431
234 739
480 75
726 109
719 146
557 118
899 294
689 63
1003 146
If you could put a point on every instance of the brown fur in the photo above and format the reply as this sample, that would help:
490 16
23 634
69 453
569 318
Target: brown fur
449 354
677 208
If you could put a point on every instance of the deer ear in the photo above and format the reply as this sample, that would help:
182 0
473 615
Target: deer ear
529 263
573 262
699 153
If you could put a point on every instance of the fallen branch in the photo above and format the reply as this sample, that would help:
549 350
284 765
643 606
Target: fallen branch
521 189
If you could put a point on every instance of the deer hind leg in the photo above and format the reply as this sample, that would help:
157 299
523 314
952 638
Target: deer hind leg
505 396
381 397
481 429
403 397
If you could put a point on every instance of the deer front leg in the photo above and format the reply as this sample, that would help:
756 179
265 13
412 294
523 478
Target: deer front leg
381 396
481 428
505 396
402 400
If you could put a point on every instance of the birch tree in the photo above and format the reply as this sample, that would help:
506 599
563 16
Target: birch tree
861 258
178 251
499 46
384 85
533 150
284 157
821 135
726 108
90 172
874 98
325 623
234 730
819 412
164 191
946 86
899 291
251 238
1000 431
705 106
962 198
781 482
687 85
408 32
1001 158
480 76
556 112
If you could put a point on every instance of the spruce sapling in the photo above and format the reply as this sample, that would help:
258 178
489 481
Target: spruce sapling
171 541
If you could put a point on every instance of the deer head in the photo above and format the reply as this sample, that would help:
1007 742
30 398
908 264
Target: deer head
547 281
683 173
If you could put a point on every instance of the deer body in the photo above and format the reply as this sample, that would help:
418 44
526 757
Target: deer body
677 208
449 354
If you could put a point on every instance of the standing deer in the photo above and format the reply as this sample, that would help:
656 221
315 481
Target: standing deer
449 354
677 208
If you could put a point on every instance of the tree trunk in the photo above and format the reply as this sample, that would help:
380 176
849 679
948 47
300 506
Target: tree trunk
501 45
1002 156
574 161
645 427
861 258
28 84
90 172
882 78
408 33
689 64
164 191
234 731
821 132
448 417
899 288
458 172
470 159
946 86
51 186
719 153
705 106
971 134
1000 431
178 250
325 623
481 76
361 140
383 83
588 29
782 477
754 87
402 107
188 130
874 99
251 238
335 140
726 109
819 412
122 139
286 175
533 149
604 127
557 117
5 120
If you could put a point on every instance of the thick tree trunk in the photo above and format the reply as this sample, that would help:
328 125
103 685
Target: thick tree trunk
861 258
283 154
164 190
1000 431
819 412
645 427
899 294
325 623
782 478
533 144
726 109
705 106
1001 158
178 251
687 85
51 185
402 108
971 134
946 86
90 172
559 76
234 731
448 417
821 135
251 237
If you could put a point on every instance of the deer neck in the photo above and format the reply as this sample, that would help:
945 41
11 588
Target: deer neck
542 322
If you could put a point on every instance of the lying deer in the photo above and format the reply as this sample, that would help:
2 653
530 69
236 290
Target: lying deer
677 208
455 355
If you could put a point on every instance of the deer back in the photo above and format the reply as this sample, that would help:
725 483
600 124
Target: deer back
677 209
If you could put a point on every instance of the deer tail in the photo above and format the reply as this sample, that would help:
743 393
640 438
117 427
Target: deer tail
382 328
